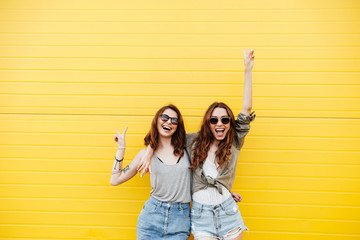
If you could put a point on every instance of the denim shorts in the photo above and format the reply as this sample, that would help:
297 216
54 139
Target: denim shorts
163 220
216 220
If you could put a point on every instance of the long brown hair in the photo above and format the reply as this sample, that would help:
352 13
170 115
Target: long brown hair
177 139
206 138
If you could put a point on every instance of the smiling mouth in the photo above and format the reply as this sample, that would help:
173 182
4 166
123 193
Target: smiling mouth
219 130
167 128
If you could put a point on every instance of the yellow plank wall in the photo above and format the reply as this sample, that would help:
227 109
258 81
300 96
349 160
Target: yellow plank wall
73 71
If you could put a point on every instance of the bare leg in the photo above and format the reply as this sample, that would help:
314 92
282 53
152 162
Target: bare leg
234 232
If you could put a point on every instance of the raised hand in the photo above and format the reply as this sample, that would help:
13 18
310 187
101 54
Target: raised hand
119 138
249 59
145 162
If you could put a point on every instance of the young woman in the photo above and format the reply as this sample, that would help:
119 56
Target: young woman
214 152
166 214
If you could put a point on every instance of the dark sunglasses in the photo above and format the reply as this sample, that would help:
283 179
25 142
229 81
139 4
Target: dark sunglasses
224 120
165 118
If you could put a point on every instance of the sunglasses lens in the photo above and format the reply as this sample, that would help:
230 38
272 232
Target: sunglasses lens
164 117
213 120
225 120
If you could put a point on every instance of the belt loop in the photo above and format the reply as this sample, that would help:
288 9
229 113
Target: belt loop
222 206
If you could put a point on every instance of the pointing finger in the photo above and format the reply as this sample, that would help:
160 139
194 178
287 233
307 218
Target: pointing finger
244 53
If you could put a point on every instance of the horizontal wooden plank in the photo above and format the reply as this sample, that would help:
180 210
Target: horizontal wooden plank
181 28
177 65
69 219
67 232
197 40
298 197
297 184
323 78
141 89
259 235
70 205
299 211
261 126
39 231
241 182
298 156
139 105
124 220
181 15
303 226
61 178
141 194
178 52
134 207
243 169
106 140
109 192
106 154
313 113
158 4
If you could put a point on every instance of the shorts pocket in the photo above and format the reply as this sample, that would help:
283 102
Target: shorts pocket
150 207
231 209
185 212
196 213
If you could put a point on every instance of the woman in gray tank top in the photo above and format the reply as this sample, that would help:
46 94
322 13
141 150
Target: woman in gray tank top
166 214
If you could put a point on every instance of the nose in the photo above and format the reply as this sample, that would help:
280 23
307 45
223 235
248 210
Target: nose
169 121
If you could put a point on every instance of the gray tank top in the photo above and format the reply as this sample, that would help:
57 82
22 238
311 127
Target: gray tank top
171 183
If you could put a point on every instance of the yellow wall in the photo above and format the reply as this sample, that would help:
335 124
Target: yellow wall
71 72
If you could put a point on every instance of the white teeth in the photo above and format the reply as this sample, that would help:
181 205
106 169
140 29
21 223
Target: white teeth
219 130
166 128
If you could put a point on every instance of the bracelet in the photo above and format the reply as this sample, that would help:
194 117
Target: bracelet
118 161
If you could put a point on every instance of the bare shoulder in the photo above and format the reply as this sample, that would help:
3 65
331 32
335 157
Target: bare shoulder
140 154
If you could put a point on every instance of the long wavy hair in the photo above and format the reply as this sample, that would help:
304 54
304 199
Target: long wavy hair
206 138
177 139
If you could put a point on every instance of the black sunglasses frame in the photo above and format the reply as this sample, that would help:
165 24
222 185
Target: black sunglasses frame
165 118
215 120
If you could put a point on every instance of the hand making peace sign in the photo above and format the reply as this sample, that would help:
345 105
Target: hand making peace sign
120 139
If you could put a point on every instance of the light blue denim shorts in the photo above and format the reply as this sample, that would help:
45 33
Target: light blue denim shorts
163 220
216 221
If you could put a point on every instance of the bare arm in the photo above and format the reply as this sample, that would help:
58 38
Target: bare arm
247 97
118 173
145 161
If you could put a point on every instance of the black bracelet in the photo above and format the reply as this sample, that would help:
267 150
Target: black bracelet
118 161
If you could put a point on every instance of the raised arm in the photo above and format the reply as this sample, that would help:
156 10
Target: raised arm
247 98
118 174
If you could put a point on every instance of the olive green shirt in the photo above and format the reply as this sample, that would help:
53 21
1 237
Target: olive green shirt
226 176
